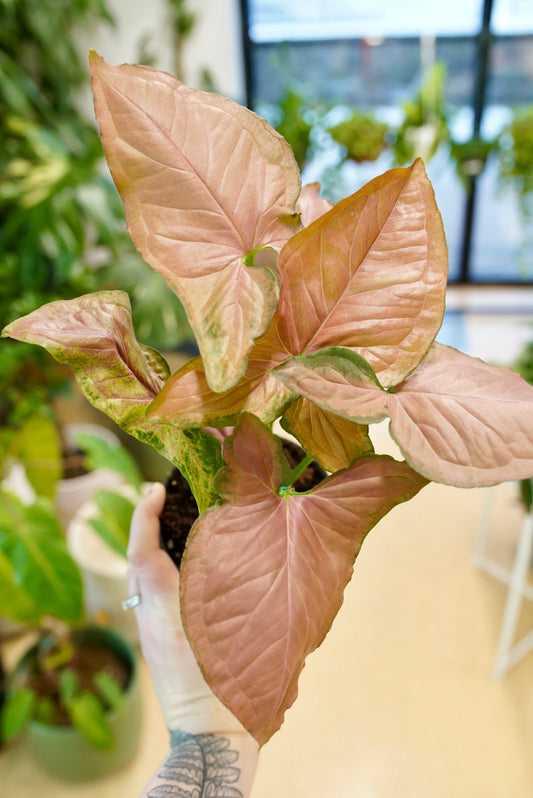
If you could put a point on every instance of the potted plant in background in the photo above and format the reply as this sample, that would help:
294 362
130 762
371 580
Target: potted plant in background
322 316
75 692
362 135
425 124
516 172
98 533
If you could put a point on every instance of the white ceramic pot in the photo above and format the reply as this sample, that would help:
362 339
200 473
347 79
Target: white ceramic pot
73 493
104 571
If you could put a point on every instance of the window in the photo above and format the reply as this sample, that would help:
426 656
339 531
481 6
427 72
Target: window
340 55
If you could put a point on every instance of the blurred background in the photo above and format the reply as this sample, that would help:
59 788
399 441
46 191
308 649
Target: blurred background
415 692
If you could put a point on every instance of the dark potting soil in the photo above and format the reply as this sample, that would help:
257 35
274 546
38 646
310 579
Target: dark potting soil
87 660
73 463
180 510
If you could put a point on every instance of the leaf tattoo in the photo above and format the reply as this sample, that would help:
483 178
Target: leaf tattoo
199 766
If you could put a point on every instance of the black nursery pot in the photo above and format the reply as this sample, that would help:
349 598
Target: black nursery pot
181 511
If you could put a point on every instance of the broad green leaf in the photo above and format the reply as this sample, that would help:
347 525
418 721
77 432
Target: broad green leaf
206 184
114 519
88 715
34 544
109 689
37 446
263 574
464 422
333 441
15 600
16 713
69 684
94 336
369 275
100 453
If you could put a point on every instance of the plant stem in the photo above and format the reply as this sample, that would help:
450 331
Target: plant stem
300 468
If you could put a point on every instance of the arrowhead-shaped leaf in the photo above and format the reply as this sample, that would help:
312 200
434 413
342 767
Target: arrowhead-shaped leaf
206 183
331 440
338 380
464 422
263 574
187 399
94 336
369 275
456 419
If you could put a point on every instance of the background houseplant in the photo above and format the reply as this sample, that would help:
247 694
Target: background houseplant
80 720
63 226
323 316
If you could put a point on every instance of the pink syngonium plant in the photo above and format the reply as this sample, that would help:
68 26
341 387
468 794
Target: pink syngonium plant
324 317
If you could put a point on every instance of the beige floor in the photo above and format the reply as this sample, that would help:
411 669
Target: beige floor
399 702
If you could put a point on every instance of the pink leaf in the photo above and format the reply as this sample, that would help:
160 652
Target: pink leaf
206 184
311 205
263 574
339 381
463 422
369 275
94 336
331 440
187 398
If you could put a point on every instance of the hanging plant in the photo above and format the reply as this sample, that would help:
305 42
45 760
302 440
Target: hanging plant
362 135
425 124
471 157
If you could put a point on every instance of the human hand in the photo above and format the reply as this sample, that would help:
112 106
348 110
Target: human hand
186 700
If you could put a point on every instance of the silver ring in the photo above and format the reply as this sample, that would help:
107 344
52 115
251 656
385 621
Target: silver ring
131 602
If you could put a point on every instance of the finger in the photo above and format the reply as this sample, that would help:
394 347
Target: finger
144 530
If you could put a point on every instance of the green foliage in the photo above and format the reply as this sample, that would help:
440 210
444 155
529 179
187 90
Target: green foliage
36 445
63 230
38 577
524 367
16 713
99 453
114 510
471 156
294 127
88 715
426 108
49 180
108 689
87 706
363 136
516 145
114 519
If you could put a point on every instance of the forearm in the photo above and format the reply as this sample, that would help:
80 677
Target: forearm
205 765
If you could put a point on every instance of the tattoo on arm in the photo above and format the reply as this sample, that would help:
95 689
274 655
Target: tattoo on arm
198 766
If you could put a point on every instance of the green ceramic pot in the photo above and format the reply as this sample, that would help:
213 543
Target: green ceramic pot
64 752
